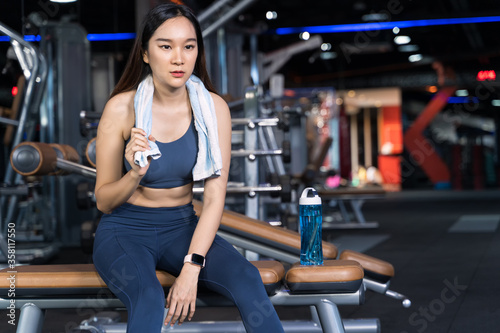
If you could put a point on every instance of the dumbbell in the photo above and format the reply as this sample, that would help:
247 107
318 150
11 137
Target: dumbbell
90 152
38 158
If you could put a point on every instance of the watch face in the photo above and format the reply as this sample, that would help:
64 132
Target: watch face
197 259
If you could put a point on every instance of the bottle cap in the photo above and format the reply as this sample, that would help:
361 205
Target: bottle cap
305 199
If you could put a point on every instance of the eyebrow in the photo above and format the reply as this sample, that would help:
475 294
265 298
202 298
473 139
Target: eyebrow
170 41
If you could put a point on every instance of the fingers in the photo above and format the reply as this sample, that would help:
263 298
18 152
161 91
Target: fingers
138 140
178 313
192 308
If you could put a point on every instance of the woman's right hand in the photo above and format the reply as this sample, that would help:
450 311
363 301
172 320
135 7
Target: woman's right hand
137 142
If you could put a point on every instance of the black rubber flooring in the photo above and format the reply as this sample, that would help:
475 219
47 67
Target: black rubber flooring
452 278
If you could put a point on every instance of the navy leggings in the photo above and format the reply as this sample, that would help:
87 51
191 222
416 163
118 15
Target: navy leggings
133 241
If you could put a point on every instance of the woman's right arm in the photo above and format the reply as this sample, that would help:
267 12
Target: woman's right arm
112 187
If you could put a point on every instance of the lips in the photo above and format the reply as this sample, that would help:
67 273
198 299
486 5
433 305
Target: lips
177 73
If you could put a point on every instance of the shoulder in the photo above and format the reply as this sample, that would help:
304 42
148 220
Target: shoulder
221 107
119 112
122 102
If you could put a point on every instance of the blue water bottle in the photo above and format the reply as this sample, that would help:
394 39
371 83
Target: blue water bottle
311 249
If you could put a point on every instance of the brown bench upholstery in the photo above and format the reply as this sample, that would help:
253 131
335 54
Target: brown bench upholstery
334 276
85 276
375 268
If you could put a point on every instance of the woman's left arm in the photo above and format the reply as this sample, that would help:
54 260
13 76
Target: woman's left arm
182 296
214 194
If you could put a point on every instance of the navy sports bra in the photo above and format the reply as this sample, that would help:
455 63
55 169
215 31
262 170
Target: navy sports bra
175 166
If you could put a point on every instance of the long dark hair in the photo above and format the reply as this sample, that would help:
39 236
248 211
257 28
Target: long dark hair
136 69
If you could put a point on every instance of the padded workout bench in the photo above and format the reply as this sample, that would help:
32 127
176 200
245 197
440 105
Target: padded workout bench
284 245
338 282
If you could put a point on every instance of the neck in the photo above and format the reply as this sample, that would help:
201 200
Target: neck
168 96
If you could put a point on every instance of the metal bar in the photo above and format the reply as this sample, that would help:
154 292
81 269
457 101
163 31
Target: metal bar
226 17
30 319
9 121
244 189
14 190
211 10
264 145
290 326
329 317
257 121
245 152
76 168
404 300
271 139
90 115
260 248
235 104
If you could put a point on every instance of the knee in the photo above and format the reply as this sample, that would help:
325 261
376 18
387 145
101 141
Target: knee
248 275
151 295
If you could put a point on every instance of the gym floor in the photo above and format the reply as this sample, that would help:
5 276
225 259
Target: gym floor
445 247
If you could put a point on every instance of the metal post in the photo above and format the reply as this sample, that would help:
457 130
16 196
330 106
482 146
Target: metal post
30 319
221 45
330 317
251 107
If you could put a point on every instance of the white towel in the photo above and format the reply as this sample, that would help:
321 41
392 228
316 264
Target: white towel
209 159
143 104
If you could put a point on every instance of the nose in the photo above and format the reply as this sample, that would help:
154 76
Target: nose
177 58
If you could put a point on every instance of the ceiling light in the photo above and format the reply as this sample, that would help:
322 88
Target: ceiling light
396 30
375 17
305 35
401 40
415 57
271 15
495 102
462 92
408 48
326 47
63 1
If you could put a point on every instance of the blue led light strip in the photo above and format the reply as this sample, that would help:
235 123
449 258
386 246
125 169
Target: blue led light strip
105 37
384 25
90 37
462 100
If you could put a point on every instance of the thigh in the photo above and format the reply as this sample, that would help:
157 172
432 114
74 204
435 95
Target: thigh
228 272
173 247
125 261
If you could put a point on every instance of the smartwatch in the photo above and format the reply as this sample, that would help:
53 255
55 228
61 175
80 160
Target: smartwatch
196 259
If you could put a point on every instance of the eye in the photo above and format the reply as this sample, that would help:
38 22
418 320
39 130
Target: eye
190 47
166 47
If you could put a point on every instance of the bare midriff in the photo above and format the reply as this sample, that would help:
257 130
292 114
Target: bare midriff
162 197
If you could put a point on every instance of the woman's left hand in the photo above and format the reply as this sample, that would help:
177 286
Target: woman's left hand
181 299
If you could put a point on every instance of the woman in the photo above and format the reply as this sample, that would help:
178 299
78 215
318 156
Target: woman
149 221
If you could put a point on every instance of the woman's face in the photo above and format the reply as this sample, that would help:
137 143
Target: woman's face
172 52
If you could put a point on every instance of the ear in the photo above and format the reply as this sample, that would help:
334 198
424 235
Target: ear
145 57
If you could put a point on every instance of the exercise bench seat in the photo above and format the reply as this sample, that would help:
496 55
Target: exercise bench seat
323 288
334 276
79 279
376 269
